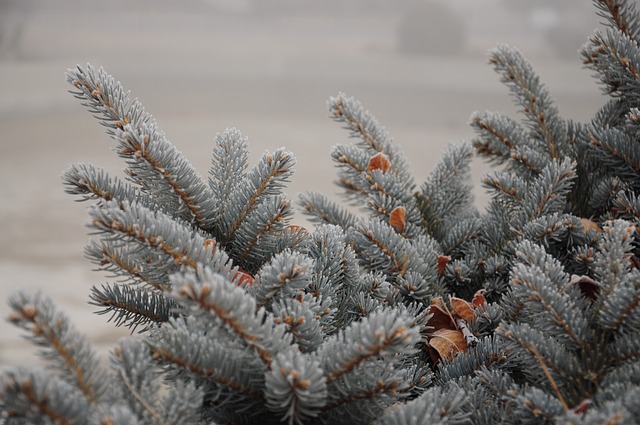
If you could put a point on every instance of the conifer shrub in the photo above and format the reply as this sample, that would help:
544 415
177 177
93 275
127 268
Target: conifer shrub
418 310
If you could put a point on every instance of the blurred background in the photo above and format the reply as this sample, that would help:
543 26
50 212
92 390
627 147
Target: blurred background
266 67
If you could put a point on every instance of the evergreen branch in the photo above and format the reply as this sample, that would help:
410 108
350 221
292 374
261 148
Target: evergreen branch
387 184
623 15
138 378
351 160
510 189
498 227
611 114
524 83
382 387
268 217
360 122
140 387
556 358
632 122
210 373
302 320
208 359
436 406
352 188
387 197
274 242
619 152
626 205
322 210
141 400
32 396
536 406
154 162
381 248
446 195
616 58
555 228
498 386
532 349
538 279
620 307
265 179
166 175
62 344
548 193
233 309
626 372
183 404
369 178
336 275
361 396
625 348
410 265
378 335
333 256
501 139
452 170
92 182
603 189
106 99
326 327
226 316
352 163
295 388
489 353
364 125
611 267
132 307
499 134
131 263
228 165
286 275
513 306
167 237
632 303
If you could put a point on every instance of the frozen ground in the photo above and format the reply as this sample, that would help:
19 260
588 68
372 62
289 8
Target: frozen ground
199 69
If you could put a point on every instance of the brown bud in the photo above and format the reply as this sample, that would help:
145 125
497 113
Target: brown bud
397 218
379 161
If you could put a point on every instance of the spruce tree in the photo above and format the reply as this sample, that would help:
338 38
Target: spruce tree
417 309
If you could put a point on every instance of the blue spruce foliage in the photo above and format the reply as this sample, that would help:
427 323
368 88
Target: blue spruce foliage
416 309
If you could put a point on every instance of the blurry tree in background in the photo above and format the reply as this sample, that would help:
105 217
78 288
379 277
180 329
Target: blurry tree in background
13 17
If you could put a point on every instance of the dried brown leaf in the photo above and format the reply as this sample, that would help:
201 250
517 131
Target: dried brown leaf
479 301
440 319
590 288
463 308
590 225
448 343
